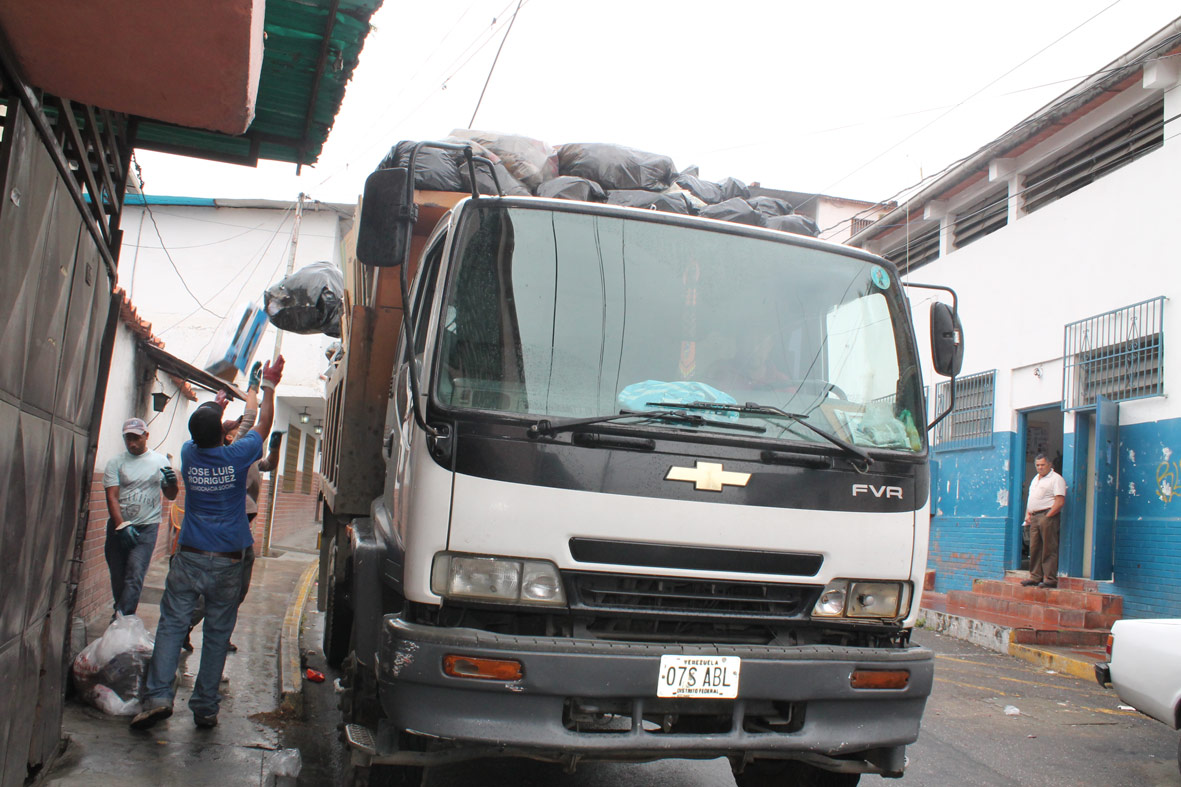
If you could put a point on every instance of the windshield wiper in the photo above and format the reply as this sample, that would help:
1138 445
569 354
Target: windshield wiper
753 408
547 427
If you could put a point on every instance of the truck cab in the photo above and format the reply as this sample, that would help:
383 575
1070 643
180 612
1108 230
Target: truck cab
651 486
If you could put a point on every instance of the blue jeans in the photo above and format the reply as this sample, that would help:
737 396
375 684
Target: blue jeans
128 565
191 577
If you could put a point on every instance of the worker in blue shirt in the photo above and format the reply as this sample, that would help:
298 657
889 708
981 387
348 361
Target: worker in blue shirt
210 559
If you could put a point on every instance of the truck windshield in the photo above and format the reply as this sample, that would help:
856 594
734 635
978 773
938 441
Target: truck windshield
564 314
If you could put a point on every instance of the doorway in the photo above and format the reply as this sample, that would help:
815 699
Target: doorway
1041 431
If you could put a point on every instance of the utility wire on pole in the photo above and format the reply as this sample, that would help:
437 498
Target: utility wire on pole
271 493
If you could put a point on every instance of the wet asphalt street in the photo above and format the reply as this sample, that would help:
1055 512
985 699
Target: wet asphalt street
1067 732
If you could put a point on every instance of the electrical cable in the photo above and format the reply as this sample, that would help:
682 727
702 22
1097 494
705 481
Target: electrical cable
495 60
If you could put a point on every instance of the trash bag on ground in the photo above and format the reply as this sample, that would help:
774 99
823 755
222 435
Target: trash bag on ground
771 206
509 186
704 190
800 225
615 166
435 169
654 200
571 187
307 301
736 210
110 672
530 161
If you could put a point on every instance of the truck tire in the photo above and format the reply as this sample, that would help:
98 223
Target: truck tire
792 773
338 616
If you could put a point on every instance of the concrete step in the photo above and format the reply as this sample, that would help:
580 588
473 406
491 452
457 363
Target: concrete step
1064 583
1033 613
1093 601
1094 639
1020 632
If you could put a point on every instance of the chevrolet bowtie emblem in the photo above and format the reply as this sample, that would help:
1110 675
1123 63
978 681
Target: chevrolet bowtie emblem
708 476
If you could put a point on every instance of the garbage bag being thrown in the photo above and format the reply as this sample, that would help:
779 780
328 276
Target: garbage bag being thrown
307 301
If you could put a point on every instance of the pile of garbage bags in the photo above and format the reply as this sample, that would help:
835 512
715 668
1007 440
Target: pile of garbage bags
592 172
111 672
310 300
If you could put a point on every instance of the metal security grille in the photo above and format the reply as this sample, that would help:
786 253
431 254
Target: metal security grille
1118 354
1097 155
919 250
970 424
986 216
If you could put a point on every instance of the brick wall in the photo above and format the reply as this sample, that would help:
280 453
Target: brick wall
293 510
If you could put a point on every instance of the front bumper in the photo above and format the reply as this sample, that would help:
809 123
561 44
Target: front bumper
566 680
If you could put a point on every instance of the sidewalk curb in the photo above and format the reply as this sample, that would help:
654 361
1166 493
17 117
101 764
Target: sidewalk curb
290 674
996 637
1058 662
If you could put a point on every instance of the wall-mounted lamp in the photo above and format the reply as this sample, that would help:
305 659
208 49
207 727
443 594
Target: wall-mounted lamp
319 429
304 417
160 401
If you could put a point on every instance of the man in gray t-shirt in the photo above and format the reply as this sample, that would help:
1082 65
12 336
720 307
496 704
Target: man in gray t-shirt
133 481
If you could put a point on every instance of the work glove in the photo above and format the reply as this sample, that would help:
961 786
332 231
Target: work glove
272 373
276 441
255 376
169 476
128 536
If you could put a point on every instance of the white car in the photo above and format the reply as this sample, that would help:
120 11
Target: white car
1145 668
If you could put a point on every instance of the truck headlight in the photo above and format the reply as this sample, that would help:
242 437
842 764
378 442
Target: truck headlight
843 598
506 580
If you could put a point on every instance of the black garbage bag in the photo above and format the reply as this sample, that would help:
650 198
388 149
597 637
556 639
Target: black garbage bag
736 210
509 186
706 191
654 200
307 301
770 206
733 187
800 225
616 167
435 169
571 187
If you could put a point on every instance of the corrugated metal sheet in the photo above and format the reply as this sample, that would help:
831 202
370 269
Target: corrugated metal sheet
310 52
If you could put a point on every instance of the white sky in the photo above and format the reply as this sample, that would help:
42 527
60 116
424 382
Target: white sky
831 97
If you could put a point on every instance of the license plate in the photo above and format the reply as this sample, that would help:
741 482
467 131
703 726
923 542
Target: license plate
698 676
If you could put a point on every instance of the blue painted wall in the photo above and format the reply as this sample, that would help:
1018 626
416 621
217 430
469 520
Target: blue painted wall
1147 569
970 512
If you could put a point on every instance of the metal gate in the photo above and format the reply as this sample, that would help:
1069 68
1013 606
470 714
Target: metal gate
62 174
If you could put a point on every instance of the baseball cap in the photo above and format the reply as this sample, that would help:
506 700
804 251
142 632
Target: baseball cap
135 426
205 425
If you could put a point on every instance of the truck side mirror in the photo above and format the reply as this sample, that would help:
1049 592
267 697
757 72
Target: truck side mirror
388 213
947 340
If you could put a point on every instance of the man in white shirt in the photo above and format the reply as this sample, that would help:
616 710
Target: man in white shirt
1047 495
133 481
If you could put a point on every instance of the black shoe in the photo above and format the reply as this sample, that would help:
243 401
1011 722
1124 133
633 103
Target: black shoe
1030 582
1047 584
150 717
204 722
231 648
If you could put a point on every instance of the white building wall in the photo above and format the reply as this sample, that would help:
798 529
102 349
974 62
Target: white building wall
1109 245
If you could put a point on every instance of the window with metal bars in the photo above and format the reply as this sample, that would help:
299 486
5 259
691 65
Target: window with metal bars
984 217
1095 156
856 225
1118 355
919 250
969 425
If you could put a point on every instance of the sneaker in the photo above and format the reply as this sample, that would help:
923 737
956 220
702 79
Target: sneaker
1031 582
204 722
150 717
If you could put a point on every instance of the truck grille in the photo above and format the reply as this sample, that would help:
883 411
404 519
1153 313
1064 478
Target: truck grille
687 599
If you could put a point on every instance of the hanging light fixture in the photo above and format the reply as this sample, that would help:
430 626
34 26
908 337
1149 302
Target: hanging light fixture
304 417
319 429
160 401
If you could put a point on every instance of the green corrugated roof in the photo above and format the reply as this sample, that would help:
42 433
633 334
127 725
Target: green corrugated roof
293 77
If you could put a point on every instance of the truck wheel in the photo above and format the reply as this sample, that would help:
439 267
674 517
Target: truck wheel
792 773
338 616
